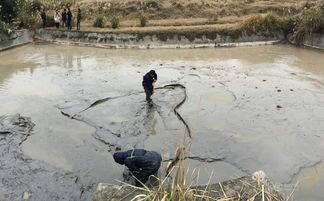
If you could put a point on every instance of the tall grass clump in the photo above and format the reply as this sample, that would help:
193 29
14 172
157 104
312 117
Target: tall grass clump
270 24
114 21
143 19
309 22
5 27
28 12
288 26
50 22
99 21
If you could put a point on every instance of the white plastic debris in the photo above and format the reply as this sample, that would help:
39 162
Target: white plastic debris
259 176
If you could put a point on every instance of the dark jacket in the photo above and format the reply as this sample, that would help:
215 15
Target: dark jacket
79 16
64 16
43 16
148 80
69 16
138 160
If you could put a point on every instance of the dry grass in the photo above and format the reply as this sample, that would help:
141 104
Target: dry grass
175 187
183 10
177 15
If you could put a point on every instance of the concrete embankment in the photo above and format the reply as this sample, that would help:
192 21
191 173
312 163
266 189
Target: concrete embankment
314 41
154 39
15 39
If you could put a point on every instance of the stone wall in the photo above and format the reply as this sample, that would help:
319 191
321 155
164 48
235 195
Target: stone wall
14 39
151 39
315 41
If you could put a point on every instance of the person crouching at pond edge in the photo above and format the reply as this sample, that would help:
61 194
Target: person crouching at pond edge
141 163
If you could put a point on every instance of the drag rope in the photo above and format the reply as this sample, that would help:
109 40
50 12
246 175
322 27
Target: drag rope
169 86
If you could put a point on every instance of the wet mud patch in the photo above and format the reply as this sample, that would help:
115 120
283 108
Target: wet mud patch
190 78
23 177
127 121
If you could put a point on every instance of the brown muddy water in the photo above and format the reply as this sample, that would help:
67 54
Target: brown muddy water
258 108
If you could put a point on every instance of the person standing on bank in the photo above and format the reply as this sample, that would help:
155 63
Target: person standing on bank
141 163
79 17
57 19
64 18
148 80
69 19
43 16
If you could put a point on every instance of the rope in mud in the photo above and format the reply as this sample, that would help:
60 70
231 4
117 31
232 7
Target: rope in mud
208 160
175 109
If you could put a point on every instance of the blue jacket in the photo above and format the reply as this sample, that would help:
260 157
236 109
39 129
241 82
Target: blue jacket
148 80
139 160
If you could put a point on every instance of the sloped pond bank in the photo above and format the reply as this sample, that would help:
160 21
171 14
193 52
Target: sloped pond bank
255 108
254 187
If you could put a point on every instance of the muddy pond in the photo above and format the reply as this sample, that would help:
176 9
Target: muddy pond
256 108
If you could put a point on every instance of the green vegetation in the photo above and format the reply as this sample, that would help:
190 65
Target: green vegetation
50 21
27 12
270 24
143 19
5 27
114 21
309 22
58 4
99 21
8 10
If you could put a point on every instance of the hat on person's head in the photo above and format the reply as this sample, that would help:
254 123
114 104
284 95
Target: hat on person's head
152 71
120 157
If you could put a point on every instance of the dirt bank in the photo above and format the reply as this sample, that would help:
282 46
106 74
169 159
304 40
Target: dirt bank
244 188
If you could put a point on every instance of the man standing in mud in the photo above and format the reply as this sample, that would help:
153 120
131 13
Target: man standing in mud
148 80
141 163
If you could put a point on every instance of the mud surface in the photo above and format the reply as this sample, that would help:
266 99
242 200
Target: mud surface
255 107
25 179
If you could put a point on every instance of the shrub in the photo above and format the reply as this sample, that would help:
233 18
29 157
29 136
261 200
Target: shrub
143 20
288 25
114 21
99 21
253 24
309 22
28 12
5 27
7 10
270 24
50 21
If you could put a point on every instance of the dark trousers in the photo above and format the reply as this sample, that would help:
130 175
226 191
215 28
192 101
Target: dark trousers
148 93
63 23
69 24
57 24
44 23
78 25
